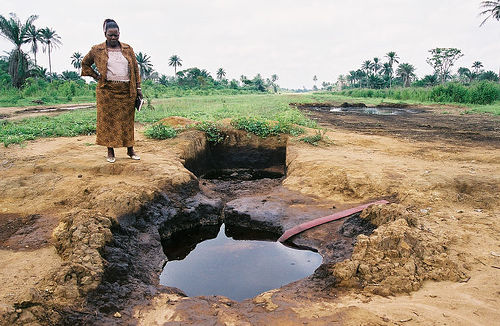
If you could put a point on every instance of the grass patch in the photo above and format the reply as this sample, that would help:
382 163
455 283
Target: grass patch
213 130
81 122
316 138
264 128
262 114
160 131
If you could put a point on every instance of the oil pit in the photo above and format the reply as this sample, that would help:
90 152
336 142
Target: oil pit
223 239
209 261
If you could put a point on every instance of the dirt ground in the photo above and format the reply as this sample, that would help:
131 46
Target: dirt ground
434 258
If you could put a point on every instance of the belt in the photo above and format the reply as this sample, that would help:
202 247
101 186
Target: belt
118 81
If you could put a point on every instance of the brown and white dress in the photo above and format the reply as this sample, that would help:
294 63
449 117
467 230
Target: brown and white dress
116 93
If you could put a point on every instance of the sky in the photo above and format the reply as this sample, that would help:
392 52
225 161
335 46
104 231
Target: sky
295 39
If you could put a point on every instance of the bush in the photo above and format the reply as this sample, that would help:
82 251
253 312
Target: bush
160 131
264 128
484 93
213 131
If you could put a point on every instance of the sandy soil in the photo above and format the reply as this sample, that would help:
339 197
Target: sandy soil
16 113
442 172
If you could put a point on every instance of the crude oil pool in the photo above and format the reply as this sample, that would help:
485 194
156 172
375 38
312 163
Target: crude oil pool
237 269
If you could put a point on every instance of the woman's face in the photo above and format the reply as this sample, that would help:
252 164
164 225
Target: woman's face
112 36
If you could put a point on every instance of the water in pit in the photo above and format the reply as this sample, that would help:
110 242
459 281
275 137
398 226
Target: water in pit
237 269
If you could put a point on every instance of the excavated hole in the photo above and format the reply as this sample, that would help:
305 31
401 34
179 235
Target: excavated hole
228 247
239 197
231 254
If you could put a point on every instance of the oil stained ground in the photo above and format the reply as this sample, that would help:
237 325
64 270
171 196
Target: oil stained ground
238 269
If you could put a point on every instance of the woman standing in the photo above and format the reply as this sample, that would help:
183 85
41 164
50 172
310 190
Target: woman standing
118 86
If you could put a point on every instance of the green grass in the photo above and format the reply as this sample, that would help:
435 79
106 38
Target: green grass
251 110
160 131
478 94
492 108
217 107
78 122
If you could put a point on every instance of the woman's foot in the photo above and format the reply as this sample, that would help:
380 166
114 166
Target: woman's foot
111 155
132 154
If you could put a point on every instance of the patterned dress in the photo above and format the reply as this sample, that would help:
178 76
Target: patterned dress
115 100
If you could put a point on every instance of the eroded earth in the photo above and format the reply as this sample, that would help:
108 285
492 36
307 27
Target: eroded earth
80 239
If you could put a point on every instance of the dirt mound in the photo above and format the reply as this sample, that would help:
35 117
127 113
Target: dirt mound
382 214
78 239
177 122
353 105
398 256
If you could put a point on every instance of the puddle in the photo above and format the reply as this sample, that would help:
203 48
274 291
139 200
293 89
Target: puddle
374 111
209 261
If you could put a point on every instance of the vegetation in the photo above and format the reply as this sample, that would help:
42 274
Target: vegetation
50 41
175 62
313 139
160 131
210 109
483 92
145 65
63 125
442 60
491 10
17 33
213 131
264 128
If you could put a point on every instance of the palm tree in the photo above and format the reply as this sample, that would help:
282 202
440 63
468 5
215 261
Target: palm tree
393 57
76 60
175 61
15 31
341 80
375 66
492 9
366 66
144 63
163 80
39 72
386 69
221 73
33 36
465 74
476 66
406 71
51 41
274 78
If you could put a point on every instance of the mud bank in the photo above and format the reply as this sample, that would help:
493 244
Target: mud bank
111 219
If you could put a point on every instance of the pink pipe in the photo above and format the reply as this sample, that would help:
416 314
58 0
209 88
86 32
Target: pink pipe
322 220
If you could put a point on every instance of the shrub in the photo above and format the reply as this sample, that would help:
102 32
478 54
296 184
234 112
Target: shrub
483 93
264 128
160 131
212 130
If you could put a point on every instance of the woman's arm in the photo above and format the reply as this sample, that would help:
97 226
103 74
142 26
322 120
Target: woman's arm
137 75
87 69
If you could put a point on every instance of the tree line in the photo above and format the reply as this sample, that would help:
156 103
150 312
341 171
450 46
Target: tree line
20 66
376 74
